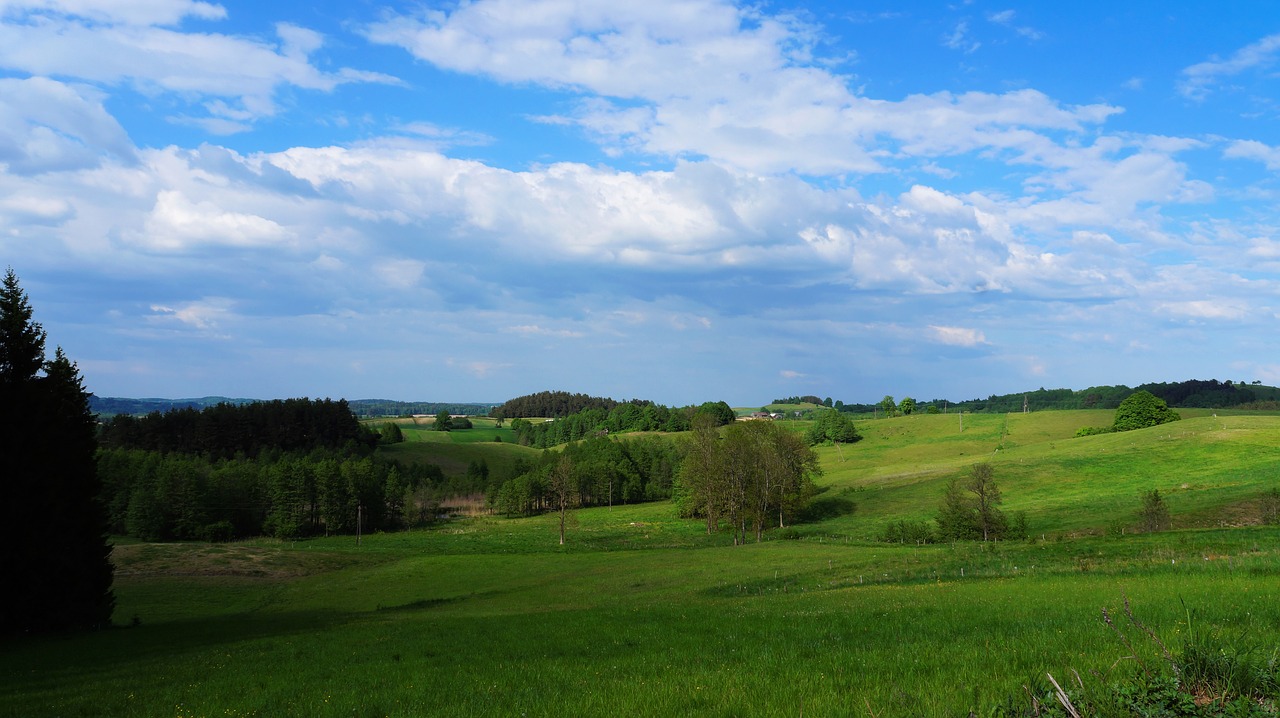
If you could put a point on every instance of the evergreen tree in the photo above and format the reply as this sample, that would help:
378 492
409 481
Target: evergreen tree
55 556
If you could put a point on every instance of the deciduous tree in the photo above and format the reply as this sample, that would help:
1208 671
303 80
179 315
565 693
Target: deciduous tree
970 507
1141 410
563 487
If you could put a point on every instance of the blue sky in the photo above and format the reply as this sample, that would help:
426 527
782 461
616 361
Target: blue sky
681 201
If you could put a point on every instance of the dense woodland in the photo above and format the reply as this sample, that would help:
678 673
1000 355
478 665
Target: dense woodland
552 404
282 468
624 417
159 496
227 430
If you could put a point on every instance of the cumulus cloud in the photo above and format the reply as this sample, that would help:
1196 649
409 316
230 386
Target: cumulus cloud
176 222
710 79
47 125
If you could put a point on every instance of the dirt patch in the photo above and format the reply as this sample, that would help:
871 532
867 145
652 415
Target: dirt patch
198 559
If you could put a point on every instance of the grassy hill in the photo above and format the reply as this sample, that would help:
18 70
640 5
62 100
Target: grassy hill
643 613
1211 469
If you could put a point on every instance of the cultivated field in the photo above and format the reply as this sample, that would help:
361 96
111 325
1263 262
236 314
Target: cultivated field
644 614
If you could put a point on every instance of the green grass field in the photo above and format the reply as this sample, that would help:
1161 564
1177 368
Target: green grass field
645 614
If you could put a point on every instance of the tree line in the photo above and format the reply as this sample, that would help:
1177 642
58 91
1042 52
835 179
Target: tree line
158 496
624 417
227 430
374 408
599 472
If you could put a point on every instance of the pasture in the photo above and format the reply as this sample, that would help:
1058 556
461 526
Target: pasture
643 613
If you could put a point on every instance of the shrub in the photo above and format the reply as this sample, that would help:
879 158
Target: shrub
916 532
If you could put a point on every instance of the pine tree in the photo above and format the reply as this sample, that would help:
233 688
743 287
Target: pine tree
55 556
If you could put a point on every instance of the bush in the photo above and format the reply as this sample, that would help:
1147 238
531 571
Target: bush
916 532
218 532
1095 430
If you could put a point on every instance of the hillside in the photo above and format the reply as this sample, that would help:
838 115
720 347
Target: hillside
644 613
1211 469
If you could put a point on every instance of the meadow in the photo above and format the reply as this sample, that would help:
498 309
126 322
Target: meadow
643 613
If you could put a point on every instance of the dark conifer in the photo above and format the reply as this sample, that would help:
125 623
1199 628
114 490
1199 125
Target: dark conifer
54 556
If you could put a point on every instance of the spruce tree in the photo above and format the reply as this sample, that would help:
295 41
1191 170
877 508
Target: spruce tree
55 556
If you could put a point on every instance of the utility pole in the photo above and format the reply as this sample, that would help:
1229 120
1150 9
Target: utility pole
962 421
359 520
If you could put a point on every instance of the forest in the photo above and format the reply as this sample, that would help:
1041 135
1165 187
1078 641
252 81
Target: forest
291 468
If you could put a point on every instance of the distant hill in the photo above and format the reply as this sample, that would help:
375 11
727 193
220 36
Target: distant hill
370 408
1191 394
365 408
112 405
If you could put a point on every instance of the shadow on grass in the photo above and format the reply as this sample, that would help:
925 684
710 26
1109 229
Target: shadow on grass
826 507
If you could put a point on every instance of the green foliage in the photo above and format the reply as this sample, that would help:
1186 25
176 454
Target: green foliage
165 497
907 406
831 426
909 532
888 406
606 471
443 421
720 411
622 418
1141 410
390 433
969 509
1095 430
555 404
758 472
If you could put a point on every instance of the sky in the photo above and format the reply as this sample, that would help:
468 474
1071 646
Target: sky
675 200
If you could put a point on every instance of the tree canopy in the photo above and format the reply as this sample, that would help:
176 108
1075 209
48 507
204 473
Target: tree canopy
758 472
832 426
1141 410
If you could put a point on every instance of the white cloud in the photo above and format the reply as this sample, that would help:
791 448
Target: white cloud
535 330
237 77
128 12
1254 150
957 336
960 39
708 79
176 222
1199 80
1212 309
47 125
400 273
206 315
1007 17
